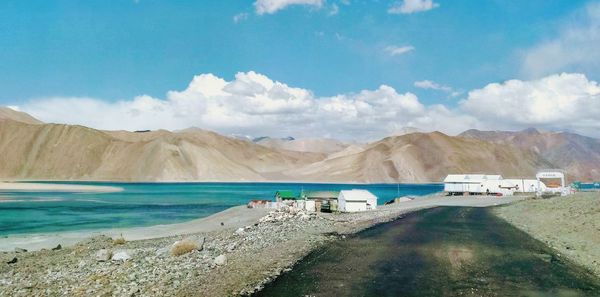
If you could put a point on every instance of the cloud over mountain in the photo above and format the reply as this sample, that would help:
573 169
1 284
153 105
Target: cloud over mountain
254 104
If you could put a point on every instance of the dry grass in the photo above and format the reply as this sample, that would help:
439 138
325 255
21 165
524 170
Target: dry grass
119 241
183 247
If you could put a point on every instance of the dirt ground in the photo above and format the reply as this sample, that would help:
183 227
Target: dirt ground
570 225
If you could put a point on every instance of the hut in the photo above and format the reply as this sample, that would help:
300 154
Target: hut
325 201
356 200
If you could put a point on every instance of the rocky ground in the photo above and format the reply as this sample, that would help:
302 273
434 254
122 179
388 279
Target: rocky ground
220 263
570 225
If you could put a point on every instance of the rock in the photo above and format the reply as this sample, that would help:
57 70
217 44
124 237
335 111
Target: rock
20 250
162 252
58 247
221 260
103 255
231 247
240 231
13 261
199 240
121 256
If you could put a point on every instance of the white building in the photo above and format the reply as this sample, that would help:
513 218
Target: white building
526 185
356 200
555 182
470 183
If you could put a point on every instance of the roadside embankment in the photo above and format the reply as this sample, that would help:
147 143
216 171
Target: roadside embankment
570 225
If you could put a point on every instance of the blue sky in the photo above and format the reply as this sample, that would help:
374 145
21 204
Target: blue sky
113 51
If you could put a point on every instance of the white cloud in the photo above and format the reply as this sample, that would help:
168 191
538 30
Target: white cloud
427 84
576 48
393 50
560 101
431 85
412 6
250 104
272 6
253 104
240 17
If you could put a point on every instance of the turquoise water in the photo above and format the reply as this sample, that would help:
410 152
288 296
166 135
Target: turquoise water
144 204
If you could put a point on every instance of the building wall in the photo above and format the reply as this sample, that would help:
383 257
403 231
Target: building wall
354 206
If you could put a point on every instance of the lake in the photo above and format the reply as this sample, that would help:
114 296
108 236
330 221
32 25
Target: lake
145 204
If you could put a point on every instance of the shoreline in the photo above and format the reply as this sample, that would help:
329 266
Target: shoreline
20 186
255 253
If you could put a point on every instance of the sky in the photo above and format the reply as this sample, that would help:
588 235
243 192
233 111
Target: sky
347 69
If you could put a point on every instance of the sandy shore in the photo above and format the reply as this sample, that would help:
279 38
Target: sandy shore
570 225
258 245
43 187
234 217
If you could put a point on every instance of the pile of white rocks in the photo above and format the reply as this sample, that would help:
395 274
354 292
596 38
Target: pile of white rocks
287 213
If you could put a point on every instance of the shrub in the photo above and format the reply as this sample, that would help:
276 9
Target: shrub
183 247
119 240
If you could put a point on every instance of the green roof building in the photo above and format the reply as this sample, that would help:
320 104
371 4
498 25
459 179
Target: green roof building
285 195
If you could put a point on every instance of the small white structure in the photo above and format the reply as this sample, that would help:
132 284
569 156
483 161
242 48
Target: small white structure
309 205
469 183
356 200
552 187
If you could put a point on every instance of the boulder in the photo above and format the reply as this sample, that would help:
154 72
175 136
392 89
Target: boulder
122 255
103 255
240 231
199 240
58 247
221 260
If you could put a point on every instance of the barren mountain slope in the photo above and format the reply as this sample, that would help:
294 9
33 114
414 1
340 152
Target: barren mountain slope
578 155
68 152
11 114
315 145
421 157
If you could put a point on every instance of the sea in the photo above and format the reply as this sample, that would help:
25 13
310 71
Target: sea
146 204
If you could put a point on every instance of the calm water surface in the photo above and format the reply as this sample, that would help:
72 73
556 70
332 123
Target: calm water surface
446 251
143 204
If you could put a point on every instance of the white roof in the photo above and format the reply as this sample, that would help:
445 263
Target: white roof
470 178
357 195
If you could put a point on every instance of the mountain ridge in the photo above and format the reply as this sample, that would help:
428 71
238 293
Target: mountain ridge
30 149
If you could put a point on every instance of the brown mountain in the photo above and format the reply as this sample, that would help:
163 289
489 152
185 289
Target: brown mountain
30 149
11 114
68 152
421 157
578 155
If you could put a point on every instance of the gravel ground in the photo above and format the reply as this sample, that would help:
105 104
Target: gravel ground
570 225
255 254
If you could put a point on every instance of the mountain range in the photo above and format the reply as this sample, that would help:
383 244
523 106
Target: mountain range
33 150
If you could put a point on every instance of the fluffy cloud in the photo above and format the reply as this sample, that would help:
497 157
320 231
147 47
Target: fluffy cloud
393 50
561 101
412 6
574 49
272 6
253 104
